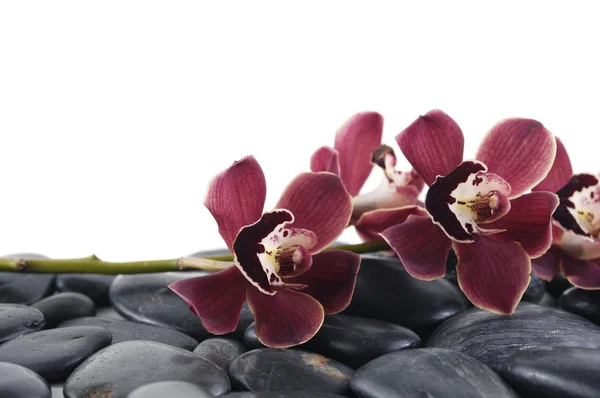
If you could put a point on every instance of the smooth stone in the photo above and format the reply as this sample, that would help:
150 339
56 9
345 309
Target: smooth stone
535 291
585 303
548 301
558 285
19 382
95 286
270 369
108 312
164 389
17 320
281 394
64 306
428 372
221 351
16 288
146 298
351 340
554 372
127 331
385 291
54 353
492 338
119 369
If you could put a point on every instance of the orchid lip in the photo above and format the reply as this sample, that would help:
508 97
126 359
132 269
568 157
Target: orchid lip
579 209
467 198
267 251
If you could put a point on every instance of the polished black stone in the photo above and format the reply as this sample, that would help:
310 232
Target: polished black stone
535 291
492 338
16 288
17 320
128 331
54 353
351 340
170 389
281 394
585 303
19 382
289 370
428 372
558 285
119 369
385 291
95 286
554 372
221 351
64 306
145 298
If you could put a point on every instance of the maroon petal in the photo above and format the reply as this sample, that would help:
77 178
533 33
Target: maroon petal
433 144
581 273
217 299
236 197
560 172
286 319
325 159
421 246
355 141
331 279
548 265
529 222
319 203
579 247
492 274
519 150
372 223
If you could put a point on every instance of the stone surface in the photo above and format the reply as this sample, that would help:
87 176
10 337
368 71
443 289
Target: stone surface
94 286
146 298
558 285
535 291
289 370
17 320
385 291
492 338
221 351
281 394
119 369
554 372
64 306
54 353
19 382
166 389
16 288
351 340
128 331
585 303
428 372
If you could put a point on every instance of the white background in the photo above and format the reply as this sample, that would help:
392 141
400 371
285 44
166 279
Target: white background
115 115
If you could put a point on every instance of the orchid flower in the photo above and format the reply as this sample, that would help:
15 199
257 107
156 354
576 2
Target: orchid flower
278 264
576 236
479 207
357 149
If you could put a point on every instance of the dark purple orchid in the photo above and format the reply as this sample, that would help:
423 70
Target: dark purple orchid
357 149
279 270
576 236
478 207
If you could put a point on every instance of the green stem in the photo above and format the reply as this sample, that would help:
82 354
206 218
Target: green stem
94 265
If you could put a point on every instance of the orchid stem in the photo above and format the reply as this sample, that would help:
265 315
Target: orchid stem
94 265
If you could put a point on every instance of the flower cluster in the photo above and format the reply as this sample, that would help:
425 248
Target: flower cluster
513 209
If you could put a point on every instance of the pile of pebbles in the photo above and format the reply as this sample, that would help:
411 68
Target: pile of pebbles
84 335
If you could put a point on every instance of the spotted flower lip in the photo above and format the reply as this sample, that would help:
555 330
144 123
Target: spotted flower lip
478 208
279 266
357 149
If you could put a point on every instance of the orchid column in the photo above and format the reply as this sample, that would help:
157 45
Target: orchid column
479 208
